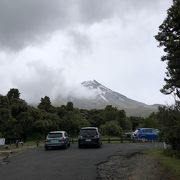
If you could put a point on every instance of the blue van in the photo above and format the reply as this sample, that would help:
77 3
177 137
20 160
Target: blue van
146 134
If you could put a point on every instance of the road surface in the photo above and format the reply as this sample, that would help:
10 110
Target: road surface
70 164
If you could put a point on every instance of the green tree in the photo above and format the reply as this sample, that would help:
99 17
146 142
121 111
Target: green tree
169 38
136 122
13 94
72 122
122 119
111 128
17 106
95 117
110 113
169 120
70 106
4 103
150 123
45 104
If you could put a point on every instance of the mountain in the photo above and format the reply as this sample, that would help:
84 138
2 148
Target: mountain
104 96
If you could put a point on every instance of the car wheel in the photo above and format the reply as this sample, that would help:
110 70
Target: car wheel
46 148
99 145
65 146
79 146
143 139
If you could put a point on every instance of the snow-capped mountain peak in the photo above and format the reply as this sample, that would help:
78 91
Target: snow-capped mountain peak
103 92
103 96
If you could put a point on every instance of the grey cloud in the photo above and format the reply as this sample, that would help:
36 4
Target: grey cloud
97 10
42 80
81 40
24 23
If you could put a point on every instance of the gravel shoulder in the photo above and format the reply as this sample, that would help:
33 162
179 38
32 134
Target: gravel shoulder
132 166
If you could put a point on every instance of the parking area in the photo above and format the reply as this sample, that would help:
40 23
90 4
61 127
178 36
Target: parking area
72 163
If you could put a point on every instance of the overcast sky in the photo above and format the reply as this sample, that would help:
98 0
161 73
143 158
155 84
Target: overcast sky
48 47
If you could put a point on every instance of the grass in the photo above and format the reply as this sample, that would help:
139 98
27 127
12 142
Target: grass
170 164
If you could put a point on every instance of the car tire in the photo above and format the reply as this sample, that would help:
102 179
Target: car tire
99 145
79 146
46 148
143 139
65 146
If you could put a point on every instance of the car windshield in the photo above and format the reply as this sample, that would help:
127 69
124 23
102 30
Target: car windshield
88 131
54 135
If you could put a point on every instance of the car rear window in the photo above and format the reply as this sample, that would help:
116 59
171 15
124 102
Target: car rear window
88 131
54 135
147 130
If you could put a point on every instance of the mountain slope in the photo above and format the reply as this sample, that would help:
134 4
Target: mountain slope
104 96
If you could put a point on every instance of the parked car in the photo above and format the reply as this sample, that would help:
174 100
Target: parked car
89 136
145 134
57 139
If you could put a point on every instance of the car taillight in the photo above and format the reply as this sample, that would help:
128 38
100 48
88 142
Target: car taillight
63 139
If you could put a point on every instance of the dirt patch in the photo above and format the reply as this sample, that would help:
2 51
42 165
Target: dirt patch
132 166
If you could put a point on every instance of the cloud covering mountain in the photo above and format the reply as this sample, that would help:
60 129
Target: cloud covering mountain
103 96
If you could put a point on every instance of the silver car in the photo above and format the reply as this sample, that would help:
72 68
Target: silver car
56 139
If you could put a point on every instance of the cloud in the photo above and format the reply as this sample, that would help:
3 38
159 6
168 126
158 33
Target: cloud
24 23
81 41
46 48
41 80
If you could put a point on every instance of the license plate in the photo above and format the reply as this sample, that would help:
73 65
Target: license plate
54 141
88 140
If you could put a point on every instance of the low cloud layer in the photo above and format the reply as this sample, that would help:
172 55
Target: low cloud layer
42 80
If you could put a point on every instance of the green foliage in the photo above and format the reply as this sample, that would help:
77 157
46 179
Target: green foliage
169 123
70 106
4 102
150 123
72 122
110 113
19 120
17 106
95 117
13 94
111 128
45 104
136 122
169 37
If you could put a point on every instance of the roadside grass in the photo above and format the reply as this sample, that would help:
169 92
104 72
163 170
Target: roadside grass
170 164
13 149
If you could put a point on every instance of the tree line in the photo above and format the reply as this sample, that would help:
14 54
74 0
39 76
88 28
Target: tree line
18 120
22 121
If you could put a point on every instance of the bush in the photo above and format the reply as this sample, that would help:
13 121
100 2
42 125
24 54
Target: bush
169 119
111 128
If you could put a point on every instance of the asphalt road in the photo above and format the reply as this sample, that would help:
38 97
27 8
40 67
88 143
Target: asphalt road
70 164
